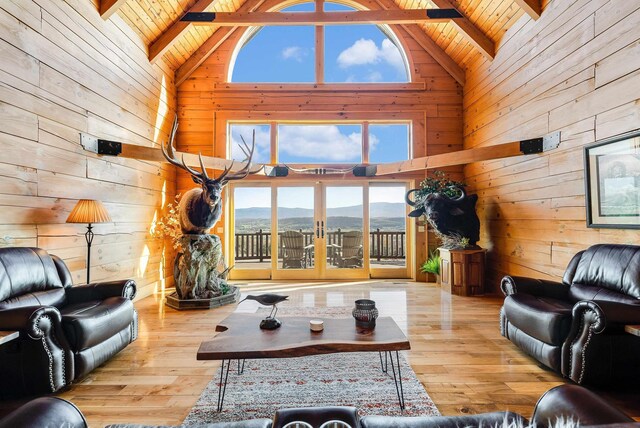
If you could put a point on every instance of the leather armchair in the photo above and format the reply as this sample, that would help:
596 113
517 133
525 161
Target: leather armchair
576 327
65 331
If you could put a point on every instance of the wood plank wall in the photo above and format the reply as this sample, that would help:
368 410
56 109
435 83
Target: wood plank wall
575 70
433 100
63 71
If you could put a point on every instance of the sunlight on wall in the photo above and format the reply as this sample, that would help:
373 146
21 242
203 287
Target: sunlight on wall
144 261
163 108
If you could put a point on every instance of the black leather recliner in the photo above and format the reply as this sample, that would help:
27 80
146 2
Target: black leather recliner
576 327
65 331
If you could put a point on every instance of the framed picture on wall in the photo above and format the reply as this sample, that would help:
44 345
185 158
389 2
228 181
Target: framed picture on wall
612 179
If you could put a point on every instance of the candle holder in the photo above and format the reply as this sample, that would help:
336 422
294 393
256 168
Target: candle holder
365 314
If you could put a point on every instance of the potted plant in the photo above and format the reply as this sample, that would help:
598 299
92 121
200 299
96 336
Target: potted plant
432 265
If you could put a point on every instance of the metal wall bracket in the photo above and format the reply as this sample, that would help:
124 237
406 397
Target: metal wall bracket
540 145
199 17
443 13
365 171
99 146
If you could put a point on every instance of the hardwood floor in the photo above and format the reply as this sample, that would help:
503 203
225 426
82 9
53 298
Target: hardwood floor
457 353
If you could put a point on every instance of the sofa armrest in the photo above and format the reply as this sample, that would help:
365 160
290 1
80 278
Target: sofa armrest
36 321
45 412
489 420
577 403
101 290
536 287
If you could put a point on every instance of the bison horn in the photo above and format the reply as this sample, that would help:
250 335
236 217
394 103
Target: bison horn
463 194
408 200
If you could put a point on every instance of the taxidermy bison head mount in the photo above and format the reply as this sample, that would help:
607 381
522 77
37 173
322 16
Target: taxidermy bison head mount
200 208
449 216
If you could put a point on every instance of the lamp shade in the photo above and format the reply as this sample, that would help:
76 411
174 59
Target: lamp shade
89 211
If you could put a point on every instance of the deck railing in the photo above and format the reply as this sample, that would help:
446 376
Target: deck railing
382 244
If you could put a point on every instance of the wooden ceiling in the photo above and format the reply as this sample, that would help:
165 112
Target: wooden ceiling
466 40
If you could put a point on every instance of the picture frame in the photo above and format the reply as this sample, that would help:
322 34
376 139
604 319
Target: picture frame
612 182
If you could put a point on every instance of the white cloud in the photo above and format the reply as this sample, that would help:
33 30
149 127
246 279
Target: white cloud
263 142
295 53
365 52
320 143
373 142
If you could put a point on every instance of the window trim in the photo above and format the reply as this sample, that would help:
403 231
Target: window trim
364 123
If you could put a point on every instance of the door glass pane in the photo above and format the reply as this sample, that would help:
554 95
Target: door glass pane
387 226
344 227
252 217
313 144
296 231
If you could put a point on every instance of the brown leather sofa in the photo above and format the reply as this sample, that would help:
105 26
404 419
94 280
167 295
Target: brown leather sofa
576 327
64 331
566 401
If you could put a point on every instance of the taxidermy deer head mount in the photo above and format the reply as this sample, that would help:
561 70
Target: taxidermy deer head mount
200 208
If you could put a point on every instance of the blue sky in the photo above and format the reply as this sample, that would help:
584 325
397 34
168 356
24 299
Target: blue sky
324 143
355 53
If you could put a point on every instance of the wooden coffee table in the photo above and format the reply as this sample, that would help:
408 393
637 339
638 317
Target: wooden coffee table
241 338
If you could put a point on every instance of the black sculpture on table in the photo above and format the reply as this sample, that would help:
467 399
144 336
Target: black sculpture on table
269 299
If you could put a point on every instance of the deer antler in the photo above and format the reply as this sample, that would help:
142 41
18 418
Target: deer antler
225 177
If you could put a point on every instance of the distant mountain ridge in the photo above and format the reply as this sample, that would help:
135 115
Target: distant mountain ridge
378 209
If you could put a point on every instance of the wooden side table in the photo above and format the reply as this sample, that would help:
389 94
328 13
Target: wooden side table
8 336
462 271
632 329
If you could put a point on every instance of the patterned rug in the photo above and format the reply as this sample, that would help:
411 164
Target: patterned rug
344 379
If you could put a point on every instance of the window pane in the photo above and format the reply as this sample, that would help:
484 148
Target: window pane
362 53
252 206
387 226
295 228
388 142
262 152
319 143
344 227
277 54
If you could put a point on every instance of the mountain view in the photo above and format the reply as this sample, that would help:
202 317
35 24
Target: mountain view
383 215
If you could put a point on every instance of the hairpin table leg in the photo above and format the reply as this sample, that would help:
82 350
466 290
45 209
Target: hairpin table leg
383 365
222 389
241 368
397 379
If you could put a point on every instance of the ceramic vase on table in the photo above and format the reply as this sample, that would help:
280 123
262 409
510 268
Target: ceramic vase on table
365 314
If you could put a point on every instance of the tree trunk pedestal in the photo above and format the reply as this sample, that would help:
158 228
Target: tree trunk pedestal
462 271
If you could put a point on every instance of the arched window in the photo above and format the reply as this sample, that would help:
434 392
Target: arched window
352 53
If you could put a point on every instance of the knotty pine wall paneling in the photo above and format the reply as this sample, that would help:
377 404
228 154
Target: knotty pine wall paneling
63 71
433 100
575 70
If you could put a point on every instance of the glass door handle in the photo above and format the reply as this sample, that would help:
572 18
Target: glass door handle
318 229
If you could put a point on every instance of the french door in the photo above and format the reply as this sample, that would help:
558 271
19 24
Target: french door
319 230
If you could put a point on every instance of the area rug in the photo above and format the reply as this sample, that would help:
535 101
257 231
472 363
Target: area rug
343 379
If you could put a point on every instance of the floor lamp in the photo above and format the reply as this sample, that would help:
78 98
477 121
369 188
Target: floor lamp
89 211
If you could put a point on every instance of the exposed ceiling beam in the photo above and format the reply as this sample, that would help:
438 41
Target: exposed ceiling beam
252 19
202 53
222 34
533 8
109 7
463 157
211 44
164 42
436 52
470 31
